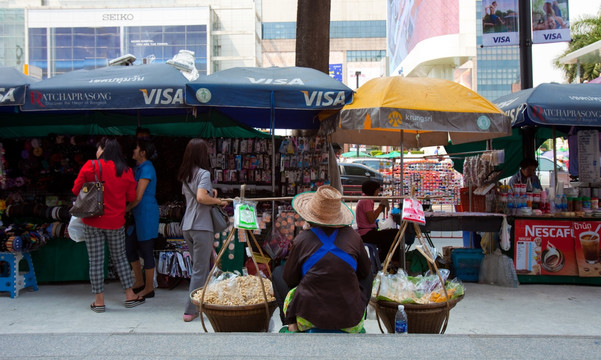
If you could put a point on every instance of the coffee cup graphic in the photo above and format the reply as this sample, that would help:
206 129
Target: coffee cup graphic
589 241
553 258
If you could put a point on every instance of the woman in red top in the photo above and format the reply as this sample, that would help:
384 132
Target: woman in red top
119 188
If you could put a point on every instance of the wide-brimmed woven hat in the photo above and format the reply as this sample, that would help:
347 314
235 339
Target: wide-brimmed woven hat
323 207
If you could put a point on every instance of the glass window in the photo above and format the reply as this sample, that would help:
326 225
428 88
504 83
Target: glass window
338 29
365 55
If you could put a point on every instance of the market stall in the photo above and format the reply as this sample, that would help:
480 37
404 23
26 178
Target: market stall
553 243
43 145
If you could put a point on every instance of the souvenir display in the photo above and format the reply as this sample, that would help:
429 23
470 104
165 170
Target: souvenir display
303 164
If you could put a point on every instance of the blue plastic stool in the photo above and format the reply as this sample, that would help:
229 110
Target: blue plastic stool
14 280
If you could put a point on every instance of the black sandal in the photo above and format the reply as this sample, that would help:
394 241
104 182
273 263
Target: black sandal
97 308
133 303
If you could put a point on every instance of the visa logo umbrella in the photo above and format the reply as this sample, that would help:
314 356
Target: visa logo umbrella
13 85
553 104
418 112
151 86
273 97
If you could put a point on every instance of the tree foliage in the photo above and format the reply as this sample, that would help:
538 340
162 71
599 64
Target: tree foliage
584 31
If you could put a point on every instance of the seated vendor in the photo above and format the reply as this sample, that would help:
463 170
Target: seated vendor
526 174
328 269
366 216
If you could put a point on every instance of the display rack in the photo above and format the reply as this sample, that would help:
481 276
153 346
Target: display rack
432 178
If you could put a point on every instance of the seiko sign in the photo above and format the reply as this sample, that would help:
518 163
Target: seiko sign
117 17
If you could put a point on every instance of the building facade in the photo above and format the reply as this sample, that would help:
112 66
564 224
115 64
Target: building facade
64 35
368 38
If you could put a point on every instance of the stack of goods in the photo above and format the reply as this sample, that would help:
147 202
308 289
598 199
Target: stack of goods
22 238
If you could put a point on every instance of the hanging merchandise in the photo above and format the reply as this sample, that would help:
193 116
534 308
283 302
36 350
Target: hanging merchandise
303 164
245 214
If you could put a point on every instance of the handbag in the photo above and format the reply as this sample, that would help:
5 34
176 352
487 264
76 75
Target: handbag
220 218
90 201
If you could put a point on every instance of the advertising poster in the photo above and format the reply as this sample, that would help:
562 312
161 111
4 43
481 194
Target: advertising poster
411 21
586 234
500 22
544 248
336 71
550 21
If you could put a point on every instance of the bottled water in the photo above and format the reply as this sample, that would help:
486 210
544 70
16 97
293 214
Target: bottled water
400 321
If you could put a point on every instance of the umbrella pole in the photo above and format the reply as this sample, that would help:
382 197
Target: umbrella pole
272 130
554 162
402 192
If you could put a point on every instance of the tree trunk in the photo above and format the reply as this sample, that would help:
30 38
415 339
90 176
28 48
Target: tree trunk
313 34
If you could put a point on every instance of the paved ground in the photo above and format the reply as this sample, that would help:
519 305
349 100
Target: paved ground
531 321
527 322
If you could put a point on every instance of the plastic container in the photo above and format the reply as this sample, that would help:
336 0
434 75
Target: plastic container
400 320
466 263
586 203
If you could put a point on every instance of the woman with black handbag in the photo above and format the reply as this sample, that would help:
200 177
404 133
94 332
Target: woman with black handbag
197 224
119 188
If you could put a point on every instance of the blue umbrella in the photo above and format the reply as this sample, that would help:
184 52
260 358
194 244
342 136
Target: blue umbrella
13 85
552 104
274 97
151 86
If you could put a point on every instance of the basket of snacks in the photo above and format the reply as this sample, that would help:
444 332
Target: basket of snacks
425 301
236 303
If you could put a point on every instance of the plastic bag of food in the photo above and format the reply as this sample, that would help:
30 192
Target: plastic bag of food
245 214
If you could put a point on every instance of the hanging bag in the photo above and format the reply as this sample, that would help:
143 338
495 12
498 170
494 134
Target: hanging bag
221 220
90 201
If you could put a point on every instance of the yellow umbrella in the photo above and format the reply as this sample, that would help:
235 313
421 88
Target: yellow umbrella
418 112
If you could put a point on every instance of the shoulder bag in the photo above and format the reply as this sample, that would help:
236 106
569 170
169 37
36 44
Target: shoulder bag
221 220
90 201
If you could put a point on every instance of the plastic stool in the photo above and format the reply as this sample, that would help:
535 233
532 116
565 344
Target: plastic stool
13 280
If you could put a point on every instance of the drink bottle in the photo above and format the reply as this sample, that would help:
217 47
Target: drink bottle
400 321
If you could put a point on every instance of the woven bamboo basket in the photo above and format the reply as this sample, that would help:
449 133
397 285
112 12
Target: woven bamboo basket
421 318
241 318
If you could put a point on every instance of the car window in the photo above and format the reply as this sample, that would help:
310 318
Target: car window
375 164
545 164
355 170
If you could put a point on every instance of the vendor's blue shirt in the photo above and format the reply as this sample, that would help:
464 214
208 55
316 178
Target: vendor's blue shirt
146 213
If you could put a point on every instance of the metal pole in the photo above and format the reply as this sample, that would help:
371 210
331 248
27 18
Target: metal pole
525 36
357 74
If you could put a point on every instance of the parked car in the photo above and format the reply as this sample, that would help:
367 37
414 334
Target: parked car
353 175
545 172
383 166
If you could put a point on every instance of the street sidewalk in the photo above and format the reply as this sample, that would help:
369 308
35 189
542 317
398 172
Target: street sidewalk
530 321
530 309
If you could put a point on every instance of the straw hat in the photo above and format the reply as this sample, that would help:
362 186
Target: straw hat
323 207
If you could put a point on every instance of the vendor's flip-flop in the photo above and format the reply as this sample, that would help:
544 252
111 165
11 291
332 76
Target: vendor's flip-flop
97 308
132 303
